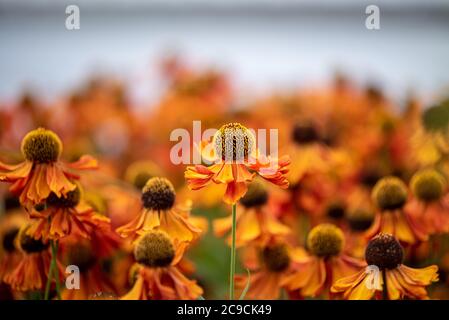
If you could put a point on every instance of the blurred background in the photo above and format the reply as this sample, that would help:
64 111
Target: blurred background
261 44
184 60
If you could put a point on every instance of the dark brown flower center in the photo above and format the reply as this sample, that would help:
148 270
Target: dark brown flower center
336 210
71 199
256 195
384 251
276 257
8 240
29 244
158 194
360 219
305 133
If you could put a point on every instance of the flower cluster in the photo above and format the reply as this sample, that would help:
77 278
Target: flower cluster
355 204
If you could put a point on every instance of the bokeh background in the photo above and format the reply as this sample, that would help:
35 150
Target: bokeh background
260 46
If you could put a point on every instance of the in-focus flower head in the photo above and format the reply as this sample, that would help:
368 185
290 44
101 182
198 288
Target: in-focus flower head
235 162
428 185
384 251
390 193
234 142
325 240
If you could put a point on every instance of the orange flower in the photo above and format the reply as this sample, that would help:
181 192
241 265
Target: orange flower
31 272
255 222
390 196
64 216
429 206
86 255
233 155
42 172
386 276
270 264
160 212
315 272
156 275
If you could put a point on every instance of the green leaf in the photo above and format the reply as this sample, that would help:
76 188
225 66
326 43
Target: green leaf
245 290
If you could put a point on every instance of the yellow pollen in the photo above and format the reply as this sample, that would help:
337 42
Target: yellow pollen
234 142
41 146
325 240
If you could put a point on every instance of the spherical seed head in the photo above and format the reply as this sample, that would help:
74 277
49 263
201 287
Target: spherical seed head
234 142
304 133
389 193
155 249
41 146
276 257
360 219
8 240
29 244
428 185
71 199
384 251
158 194
81 255
256 195
325 240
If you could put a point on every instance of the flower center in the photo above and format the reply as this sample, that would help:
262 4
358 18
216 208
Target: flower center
155 249
29 244
389 193
234 142
336 210
41 146
8 240
428 185
384 251
158 194
305 133
360 219
81 255
276 257
256 195
325 240
71 199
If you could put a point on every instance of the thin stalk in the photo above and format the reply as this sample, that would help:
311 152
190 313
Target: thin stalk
232 267
384 286
54 254
50 275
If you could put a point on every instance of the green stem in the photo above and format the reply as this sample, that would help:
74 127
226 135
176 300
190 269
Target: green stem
54 254
232 267
53 272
